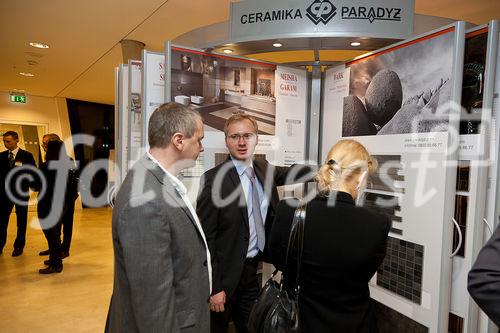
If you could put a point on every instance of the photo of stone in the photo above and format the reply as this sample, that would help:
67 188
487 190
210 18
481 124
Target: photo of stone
355 120
404 90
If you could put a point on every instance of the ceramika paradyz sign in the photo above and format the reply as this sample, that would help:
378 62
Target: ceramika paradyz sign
261 18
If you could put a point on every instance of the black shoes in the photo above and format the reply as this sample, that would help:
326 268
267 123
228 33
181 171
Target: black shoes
17 252
50 270
44 253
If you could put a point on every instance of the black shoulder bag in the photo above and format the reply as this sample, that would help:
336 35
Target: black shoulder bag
276 309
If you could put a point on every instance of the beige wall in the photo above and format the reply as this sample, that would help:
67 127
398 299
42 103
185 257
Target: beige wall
49 111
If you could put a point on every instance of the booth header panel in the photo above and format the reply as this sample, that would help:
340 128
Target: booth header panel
264 19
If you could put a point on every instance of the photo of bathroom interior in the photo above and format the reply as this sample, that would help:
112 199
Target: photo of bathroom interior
220 86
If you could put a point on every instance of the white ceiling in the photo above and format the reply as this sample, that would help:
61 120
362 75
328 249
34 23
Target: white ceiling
84 37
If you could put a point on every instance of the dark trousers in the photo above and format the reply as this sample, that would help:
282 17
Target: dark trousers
238 307
55 259
66 225
6 207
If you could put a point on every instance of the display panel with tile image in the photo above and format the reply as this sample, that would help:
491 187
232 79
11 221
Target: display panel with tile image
401 270
386 188
426 193
219 86
387 205
389 176
197 170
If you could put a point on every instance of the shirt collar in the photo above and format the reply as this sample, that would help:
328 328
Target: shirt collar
241 166
15 151
178 185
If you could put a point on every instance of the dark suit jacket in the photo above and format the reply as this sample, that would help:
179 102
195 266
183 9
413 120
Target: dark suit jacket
52 179
161 281
22 156
343 247
226 228
484 278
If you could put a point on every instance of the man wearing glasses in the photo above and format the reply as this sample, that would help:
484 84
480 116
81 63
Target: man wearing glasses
236 206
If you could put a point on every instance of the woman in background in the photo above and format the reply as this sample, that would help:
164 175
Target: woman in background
343 245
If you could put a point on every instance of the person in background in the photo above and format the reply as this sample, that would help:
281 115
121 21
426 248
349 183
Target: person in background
162 276
236 231
57 195
484 278
49 137
13 160
342 248
66 226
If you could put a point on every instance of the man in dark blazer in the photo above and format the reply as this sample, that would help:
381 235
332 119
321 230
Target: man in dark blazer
16 160
236 206
484 278
162 263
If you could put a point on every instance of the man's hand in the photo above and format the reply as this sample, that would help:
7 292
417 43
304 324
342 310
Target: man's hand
217 302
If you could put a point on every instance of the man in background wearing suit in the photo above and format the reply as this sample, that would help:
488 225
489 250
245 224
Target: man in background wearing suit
10 160
66 225
236 230
162 275
484 278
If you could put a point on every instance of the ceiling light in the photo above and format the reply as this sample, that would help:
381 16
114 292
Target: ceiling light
227 51
39 45
26 74
355 44
277 45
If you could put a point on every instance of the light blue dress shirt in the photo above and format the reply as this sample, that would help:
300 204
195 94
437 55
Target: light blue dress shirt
247 189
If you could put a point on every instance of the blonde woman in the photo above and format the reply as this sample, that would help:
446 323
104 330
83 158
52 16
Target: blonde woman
343 245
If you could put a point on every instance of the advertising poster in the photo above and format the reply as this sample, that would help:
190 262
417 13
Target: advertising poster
153 85
135 111
291 98
219 86
396 103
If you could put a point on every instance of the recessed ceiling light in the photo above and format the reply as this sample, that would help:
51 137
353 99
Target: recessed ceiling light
277 45
26 74
39 45
227 51
230 44
355 44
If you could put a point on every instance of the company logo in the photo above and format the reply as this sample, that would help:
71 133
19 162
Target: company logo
371 13
321 11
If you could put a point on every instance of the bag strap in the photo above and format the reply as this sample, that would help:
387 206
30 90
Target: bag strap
296 239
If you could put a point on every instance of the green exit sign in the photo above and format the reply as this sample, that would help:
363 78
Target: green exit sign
18 98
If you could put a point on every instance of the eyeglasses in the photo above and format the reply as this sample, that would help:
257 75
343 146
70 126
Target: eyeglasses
236 137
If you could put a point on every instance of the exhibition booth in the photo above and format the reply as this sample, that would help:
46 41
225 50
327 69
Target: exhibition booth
424 104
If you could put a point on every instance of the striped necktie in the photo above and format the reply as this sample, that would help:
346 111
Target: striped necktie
257 217
11 159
